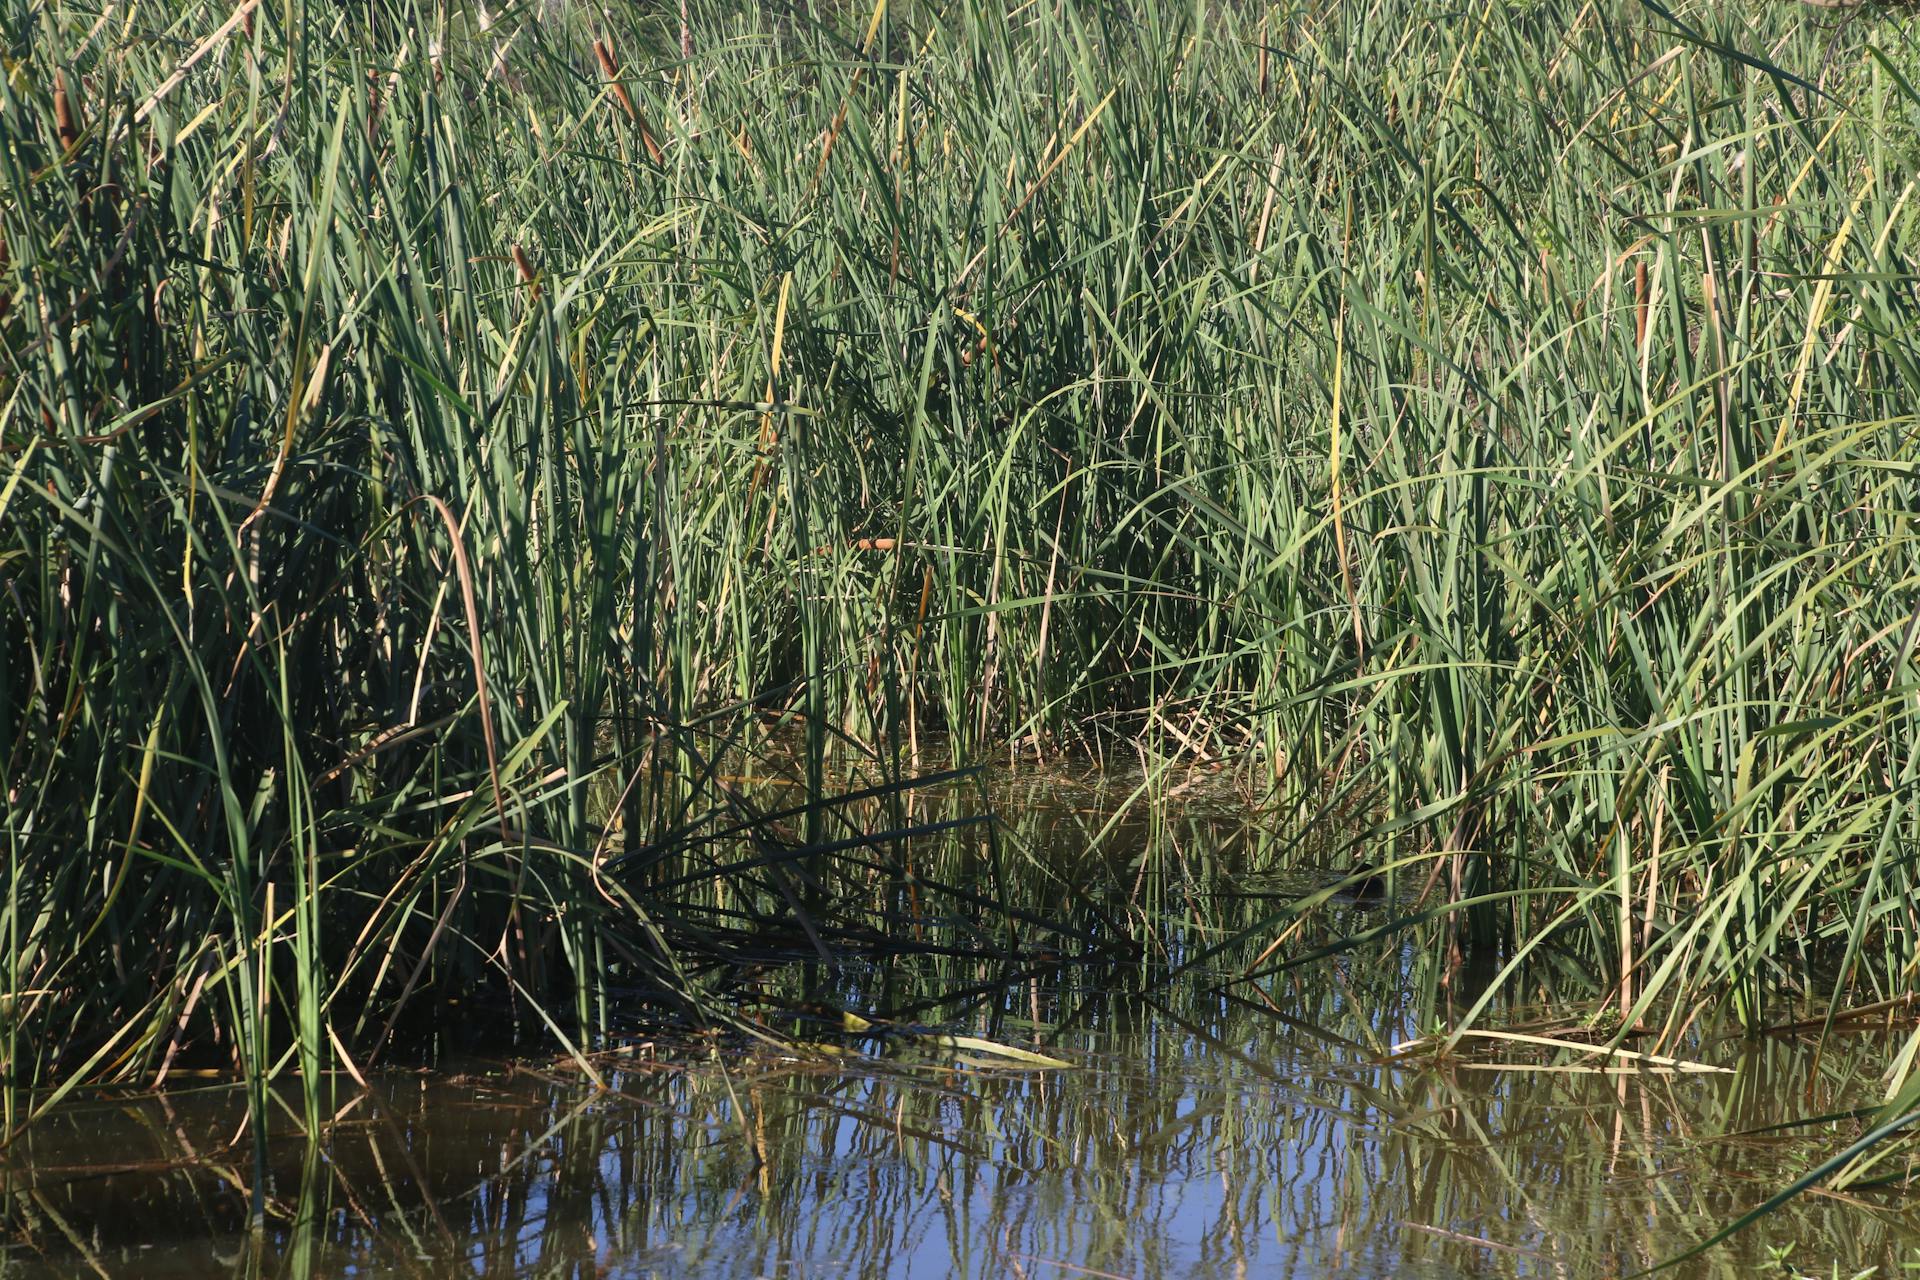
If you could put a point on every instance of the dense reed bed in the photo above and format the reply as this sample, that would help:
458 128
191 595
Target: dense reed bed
435 438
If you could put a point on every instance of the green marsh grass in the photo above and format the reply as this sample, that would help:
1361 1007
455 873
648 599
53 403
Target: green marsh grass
438 441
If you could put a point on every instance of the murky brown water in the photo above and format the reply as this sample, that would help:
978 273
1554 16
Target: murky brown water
1199 1132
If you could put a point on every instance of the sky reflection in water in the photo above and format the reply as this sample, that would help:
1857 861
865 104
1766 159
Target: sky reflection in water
1200 1133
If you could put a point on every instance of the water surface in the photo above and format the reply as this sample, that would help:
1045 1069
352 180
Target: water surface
1204 1127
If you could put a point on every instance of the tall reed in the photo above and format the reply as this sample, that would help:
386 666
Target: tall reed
426 430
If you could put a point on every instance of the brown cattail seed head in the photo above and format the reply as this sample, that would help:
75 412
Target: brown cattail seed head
1640 303
525 268
64 118
603 52
611 70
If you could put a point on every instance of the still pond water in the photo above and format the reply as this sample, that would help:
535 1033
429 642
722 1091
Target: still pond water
1204 1128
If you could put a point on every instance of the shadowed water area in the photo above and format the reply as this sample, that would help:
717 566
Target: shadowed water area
1205 1125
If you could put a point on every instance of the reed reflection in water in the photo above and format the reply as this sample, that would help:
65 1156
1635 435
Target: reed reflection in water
1206 1128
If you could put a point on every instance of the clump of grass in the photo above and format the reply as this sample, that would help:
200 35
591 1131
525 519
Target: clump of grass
423 425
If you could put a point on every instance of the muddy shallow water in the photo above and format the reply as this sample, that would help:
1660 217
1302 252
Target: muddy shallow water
1199 1130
